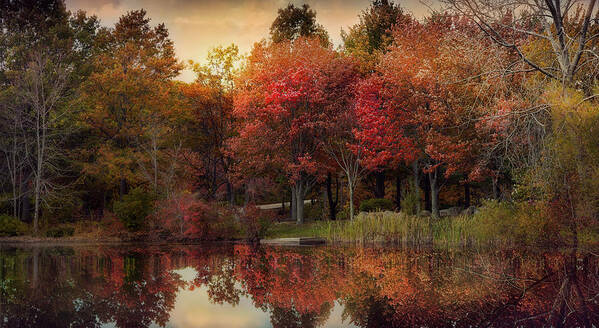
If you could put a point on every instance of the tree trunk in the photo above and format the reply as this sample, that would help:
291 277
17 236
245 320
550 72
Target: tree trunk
246 196
379 191
496 191
230 196
434 193
293 204
36 205
123 188
299 196
466 195
26 211
427 193
416 182
39 167
398 191
350 188
332 202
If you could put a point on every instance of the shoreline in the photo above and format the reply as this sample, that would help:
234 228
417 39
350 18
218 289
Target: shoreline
67 241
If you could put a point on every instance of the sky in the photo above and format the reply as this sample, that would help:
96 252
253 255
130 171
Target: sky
196 26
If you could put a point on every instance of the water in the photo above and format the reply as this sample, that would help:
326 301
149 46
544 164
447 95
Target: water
245 286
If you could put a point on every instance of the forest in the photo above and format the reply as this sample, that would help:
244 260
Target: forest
478 121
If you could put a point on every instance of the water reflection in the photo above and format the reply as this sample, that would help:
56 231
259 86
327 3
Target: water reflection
245 286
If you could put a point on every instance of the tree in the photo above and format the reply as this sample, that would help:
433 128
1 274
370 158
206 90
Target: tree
295 22
371 37
284 103
130 100
423 102
45 49
339 140
209 121
367 41
565 26
348 155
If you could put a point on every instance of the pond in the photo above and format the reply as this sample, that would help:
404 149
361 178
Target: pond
238 285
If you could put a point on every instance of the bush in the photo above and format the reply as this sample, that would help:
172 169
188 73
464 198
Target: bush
410 200
376 204
208 220
11 226
256 223
513 222
134 208
57 232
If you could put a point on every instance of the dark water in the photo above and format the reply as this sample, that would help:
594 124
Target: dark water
246 286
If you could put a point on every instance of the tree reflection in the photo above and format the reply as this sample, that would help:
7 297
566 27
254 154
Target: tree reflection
55 289
299 287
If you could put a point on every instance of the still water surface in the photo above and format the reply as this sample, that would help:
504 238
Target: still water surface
234 285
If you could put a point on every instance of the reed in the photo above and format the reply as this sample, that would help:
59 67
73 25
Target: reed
494 224
399 228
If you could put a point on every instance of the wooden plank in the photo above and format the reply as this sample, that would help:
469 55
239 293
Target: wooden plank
296 241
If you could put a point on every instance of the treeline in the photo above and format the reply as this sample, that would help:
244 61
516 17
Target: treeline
474 102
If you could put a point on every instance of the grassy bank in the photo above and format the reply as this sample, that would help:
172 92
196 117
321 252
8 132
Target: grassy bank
494 224
379 227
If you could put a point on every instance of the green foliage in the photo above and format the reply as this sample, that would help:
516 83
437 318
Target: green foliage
11 226
513 222
134 208
410 200
294 22
60 231
567 176
376 204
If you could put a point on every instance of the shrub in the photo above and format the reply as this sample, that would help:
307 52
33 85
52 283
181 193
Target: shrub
210 221
134 208
61 231
410 200
11 226
255 223
376 204
513 222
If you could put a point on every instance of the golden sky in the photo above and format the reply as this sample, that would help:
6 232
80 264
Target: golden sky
196 26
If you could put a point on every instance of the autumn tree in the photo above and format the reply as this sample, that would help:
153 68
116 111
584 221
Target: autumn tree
367 41
130 99
284 103
209 121
423 103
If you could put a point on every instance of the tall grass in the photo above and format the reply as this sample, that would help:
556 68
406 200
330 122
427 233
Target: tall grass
496 223
398 228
